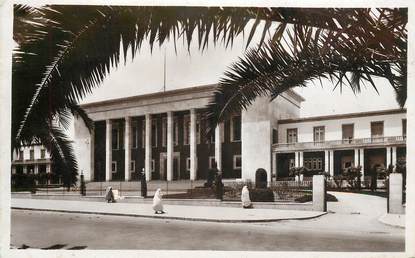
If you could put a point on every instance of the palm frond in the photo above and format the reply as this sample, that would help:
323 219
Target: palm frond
301 57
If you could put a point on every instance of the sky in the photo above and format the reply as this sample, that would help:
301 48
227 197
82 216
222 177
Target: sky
192 68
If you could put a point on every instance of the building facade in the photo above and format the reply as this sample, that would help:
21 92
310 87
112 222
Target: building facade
333 143
162 134
33 159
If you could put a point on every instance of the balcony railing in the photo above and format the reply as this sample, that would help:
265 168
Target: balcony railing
373 141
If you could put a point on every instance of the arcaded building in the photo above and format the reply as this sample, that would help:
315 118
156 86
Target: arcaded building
162 134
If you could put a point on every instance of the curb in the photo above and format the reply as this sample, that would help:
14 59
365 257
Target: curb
170 217
381 220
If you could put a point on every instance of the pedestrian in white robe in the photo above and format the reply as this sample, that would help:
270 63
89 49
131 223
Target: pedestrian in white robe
157 202
246 201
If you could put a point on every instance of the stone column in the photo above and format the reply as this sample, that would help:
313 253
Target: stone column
108 150
362 162
331 159
127 148
169 146
394 156
13 170
193 146
388 156
218 146
274 166
395 194
301 159
148 146
326 161
356 157
319 193
48 171
36 167
296 159
24 169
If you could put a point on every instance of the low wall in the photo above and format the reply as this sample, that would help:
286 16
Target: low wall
189 202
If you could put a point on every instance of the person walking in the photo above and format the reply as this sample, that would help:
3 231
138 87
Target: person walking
143 184
245 199
219 186
109 195
157 202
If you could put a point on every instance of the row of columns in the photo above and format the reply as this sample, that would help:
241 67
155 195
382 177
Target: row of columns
148 147
359 159
35 169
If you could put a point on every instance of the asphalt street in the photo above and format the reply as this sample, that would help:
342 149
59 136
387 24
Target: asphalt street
51 230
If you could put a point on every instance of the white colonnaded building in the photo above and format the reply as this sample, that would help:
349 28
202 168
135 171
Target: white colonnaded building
162 134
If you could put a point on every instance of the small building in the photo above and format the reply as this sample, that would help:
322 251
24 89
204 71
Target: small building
162 134
33 159
332 143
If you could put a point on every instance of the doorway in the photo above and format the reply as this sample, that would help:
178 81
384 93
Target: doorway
176 166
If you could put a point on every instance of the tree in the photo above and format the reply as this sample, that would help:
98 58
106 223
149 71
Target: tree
69 50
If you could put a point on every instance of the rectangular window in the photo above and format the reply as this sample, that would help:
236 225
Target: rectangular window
176 131
198 130
313 164
154 132
376 129
319 134
164 131
236 128
32 154
291 163
212 162
42 153
132 166
114 167
143 134
237 162
134 129
274 136
21 155
404 127
186 130
292 135
153 165
115 139
188 164
347 131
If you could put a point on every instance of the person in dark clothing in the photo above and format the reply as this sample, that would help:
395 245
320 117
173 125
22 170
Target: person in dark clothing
211 175
143 184
219 186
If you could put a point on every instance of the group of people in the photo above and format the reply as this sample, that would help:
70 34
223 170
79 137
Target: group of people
157 199
214 175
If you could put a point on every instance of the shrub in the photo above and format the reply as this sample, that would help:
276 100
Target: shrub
23 181
261 195
309 198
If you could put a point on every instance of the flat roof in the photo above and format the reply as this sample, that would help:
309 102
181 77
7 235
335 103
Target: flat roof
175 92
343 116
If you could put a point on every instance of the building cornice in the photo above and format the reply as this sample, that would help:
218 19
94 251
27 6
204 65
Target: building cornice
343 116
177 92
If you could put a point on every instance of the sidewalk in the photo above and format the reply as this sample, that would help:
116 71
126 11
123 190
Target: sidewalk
178 212
396 220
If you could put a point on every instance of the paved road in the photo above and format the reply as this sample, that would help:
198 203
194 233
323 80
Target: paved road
72 231
351 225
